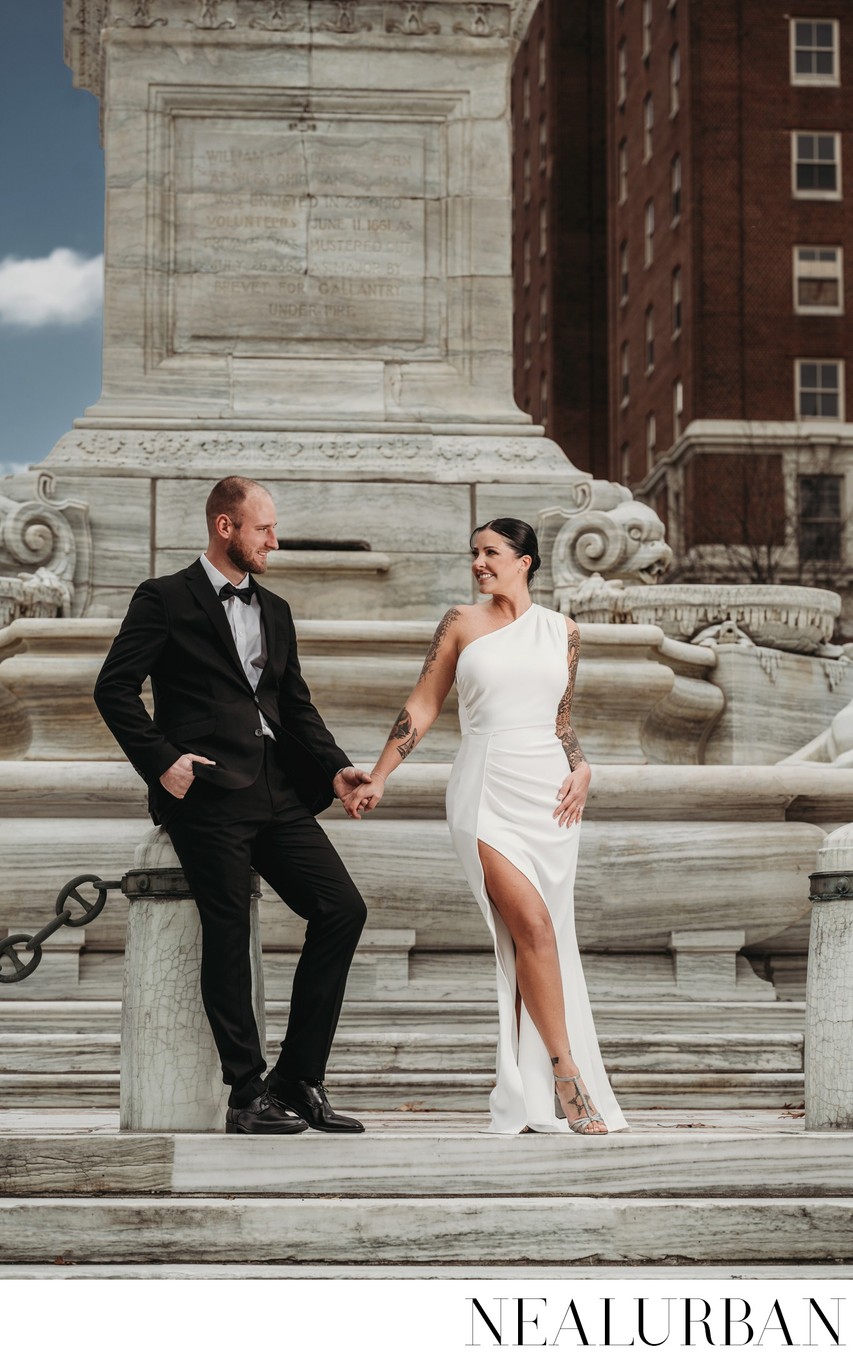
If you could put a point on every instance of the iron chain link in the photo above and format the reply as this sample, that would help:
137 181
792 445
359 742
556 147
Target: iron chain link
63 917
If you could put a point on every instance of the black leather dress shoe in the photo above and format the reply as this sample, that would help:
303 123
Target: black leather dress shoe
263 1117
311 1100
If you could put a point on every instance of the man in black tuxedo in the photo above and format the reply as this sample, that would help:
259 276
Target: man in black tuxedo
237 762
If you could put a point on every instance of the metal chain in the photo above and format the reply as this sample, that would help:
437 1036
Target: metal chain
63 918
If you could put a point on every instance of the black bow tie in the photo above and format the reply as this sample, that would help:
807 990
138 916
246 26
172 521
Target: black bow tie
244 592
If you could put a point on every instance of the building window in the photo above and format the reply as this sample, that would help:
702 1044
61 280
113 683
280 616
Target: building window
820 519
528 343
543 398
676 303
677 408
622 73
651 438
675 186
649 234
623 170
814 52
525 96
624 375
543 61
625 463
527 261
650 339
820 389
543 145
543 229
623 273
816 165
648 127
526 177
818 279
647 29
543 313
674 81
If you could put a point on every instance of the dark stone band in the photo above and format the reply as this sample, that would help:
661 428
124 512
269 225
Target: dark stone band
167 882
830 884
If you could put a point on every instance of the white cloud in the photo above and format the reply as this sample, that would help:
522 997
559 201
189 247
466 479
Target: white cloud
62 288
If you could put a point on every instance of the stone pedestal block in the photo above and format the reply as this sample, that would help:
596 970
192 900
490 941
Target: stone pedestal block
706 965
829 988
171 1077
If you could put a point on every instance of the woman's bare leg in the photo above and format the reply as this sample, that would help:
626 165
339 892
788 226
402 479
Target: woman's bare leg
537 968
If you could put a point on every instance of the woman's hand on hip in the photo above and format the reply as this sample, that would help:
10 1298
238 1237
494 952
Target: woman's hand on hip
571 797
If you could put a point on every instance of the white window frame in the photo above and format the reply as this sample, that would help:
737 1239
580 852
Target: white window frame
646 21
621 73
543 397
624 275
808 78
649 234
625 461
527 260
527 346
676 286
543 313
674 79
543 61
649 340
543 145
677 409
525 94
648 127
651 438
798 363
527 177
624 375
622 170
676 186
815 193
818 269
543 229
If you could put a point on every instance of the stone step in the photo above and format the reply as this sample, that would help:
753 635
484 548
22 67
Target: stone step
403 1272
431 1159
442 1091
664 1017
540 1230
416 1052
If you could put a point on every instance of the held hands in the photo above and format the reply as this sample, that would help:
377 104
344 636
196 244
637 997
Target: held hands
571 797
180 776
346 784
366 796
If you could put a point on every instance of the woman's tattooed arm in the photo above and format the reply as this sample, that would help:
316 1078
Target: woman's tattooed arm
402 728
564 730
437 640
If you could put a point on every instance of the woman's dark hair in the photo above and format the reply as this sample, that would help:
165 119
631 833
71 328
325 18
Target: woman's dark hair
519 535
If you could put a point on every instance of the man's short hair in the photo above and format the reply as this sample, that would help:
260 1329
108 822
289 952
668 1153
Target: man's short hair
227 497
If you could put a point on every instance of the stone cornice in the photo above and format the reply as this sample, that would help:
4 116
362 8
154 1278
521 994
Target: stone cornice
375 21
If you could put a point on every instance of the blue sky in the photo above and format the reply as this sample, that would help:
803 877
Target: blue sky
51 200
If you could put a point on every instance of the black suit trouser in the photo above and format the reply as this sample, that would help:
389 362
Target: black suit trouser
219 837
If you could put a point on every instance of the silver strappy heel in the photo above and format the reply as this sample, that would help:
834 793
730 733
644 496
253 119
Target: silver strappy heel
584 1103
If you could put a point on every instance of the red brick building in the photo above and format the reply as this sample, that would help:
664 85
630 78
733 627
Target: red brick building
560 228
729 129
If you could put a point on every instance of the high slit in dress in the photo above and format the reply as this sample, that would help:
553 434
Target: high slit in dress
502 791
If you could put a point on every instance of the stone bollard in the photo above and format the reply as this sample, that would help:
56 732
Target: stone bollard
829 990
171 1077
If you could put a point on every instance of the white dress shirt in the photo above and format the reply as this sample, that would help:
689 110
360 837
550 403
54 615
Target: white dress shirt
247 628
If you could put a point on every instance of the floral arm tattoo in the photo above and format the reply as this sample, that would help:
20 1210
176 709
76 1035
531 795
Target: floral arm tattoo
437 640
564 730
402 728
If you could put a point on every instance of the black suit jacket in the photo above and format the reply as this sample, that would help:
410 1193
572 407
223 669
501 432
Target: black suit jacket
176 631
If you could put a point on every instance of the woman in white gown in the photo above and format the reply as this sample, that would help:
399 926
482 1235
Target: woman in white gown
514 804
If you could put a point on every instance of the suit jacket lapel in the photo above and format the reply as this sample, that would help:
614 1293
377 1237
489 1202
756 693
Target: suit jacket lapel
202 589
268 620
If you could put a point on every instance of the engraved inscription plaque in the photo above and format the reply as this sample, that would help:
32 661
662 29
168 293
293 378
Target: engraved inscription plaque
292 236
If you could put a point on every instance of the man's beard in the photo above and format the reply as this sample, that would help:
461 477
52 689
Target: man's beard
239 557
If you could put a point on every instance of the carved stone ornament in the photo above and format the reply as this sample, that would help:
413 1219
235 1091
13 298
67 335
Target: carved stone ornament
412 21
275 20
140 17
208 16
609 534
346 20
52 542
481 24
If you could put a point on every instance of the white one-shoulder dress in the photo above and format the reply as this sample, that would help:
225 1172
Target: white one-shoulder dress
502 791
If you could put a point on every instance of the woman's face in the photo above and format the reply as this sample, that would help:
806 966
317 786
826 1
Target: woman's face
495 564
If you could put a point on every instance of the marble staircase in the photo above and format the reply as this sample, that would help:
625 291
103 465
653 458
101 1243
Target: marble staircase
745 1193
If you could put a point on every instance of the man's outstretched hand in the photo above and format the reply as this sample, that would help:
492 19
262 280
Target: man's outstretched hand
365 796
346 782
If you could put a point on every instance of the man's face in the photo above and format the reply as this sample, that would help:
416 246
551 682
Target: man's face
254 536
